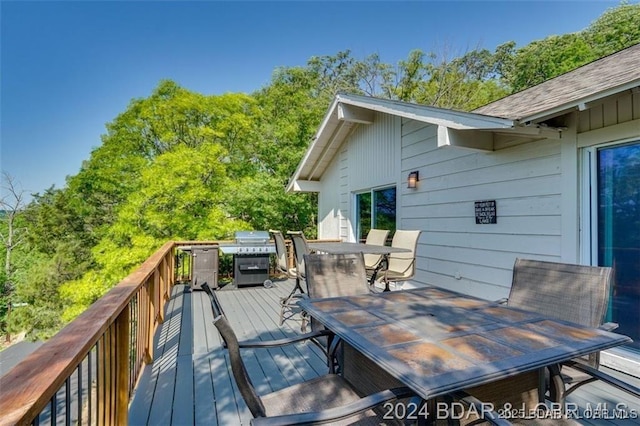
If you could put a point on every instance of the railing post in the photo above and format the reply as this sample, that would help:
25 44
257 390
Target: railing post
173 271
157 283
164 276
291 261
122 366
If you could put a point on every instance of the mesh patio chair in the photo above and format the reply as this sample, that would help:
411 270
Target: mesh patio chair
401 266
282 261
327 399
568 292
376 237
332 275
288 304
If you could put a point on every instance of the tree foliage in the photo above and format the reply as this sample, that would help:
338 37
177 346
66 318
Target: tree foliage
541 60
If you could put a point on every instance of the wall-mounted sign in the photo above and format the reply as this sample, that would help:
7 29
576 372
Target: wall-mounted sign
486 212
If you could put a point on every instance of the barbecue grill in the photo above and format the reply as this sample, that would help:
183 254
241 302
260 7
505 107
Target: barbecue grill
250 251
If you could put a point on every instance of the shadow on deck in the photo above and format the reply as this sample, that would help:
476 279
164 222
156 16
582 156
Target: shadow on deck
190 382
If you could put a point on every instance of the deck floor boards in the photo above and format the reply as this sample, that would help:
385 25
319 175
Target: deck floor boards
190 383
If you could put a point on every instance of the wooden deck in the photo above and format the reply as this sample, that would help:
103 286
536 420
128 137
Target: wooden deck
190 383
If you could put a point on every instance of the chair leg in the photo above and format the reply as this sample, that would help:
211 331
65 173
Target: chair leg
282 307
556 384
285 301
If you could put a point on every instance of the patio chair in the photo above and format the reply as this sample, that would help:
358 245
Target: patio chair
289 304
575 293
376 237
322 400
401 266
282 261
332 275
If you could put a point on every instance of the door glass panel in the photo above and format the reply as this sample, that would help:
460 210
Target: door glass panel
363 208
385 209
375 209
619 233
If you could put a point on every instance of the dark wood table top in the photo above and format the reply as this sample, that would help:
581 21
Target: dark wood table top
436 341
347 248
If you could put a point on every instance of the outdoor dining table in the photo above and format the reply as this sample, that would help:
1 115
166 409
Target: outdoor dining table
437 341
349 248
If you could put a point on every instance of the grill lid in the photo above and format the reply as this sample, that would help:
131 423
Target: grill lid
252 237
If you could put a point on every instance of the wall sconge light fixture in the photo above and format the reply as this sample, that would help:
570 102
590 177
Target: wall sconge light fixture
412 181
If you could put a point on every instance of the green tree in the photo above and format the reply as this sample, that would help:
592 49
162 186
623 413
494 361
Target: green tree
617 29
38 278
544 59
181 196
12 235
541 60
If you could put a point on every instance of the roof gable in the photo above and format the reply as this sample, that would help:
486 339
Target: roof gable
348 111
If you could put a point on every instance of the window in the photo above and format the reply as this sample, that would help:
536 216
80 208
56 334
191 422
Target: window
375 209
614 240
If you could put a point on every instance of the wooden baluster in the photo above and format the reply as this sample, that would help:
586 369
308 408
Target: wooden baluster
122 365
100 381
148 322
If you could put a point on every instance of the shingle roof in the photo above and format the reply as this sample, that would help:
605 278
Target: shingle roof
591 81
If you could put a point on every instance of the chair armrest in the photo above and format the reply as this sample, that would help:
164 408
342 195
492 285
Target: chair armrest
283 342
387 270
338 413
606 378
608 326
481 408
293 298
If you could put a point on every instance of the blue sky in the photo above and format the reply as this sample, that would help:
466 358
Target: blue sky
68 68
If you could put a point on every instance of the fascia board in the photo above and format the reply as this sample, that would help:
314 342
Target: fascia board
444 117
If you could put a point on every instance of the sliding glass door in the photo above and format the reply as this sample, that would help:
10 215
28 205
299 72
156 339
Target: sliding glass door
616 212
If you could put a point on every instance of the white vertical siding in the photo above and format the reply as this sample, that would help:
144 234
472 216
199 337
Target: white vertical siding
329 208
618 110
368 159
373 150
456 253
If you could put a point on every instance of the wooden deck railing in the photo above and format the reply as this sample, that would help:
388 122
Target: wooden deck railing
86 373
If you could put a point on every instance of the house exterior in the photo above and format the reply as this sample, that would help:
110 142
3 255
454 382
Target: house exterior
549 173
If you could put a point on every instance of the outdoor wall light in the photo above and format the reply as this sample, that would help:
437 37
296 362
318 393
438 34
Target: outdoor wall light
413 179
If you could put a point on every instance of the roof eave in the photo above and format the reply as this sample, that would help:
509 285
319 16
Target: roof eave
292 186
452 119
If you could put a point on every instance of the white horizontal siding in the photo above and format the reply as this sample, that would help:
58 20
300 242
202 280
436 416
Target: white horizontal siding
456 253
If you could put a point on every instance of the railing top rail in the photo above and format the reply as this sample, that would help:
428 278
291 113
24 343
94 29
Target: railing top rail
27 388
